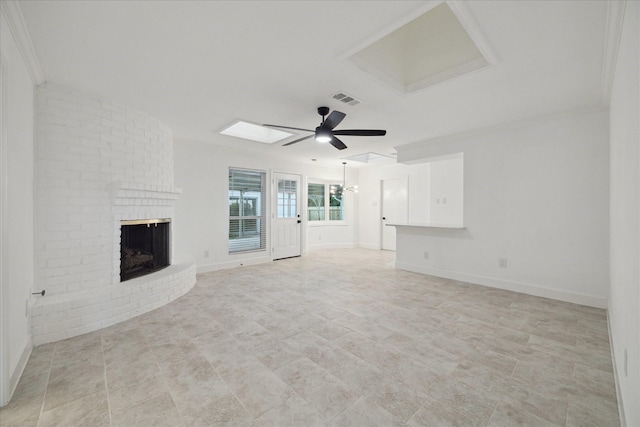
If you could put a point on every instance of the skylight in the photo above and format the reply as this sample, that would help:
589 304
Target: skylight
368 158
432 48
255 132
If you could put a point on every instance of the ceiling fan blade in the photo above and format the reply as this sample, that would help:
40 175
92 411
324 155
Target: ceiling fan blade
337 143
297 140
333 120
287 127
360 132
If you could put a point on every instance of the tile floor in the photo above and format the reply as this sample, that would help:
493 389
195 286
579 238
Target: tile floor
335 338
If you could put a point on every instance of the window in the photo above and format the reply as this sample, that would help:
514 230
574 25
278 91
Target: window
336 208
247 222
315 202
325 202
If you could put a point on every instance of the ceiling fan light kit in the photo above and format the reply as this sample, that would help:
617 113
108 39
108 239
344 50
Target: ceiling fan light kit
323 136
325 133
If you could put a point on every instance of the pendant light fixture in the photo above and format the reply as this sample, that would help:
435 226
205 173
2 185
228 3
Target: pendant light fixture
344 180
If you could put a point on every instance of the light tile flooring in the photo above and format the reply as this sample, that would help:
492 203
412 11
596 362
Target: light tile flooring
335 338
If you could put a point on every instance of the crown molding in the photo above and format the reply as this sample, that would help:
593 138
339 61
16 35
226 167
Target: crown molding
20 33
615 18
468 22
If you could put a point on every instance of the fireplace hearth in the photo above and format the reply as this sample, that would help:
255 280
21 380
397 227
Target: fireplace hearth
144 247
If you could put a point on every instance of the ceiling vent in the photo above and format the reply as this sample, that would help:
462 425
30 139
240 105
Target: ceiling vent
346 99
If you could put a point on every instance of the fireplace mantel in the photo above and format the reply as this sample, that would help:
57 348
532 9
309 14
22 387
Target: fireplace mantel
132 194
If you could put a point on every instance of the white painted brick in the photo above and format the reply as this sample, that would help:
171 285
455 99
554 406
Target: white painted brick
114 302
56 284
57 273
96 316
111 124
83 329
92 276
62 262
54 254
79 251
60 174
87 146
88 242
60 244
94 259
74 283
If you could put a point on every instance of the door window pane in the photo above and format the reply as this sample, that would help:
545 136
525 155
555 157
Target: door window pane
287 203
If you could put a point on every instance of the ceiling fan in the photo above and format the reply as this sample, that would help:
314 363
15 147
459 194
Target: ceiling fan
325 133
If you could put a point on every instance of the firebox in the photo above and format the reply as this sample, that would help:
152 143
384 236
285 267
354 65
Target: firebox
144 247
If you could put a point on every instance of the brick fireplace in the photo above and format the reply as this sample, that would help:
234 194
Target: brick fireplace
98 165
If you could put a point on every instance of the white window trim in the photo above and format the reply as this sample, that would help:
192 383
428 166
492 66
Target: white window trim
326 222
264 217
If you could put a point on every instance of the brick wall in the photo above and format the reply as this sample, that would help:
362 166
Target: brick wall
61 316
97 163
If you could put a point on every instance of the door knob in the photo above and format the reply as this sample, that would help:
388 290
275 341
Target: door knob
299 221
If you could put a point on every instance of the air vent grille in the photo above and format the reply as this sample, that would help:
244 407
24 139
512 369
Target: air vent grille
346 98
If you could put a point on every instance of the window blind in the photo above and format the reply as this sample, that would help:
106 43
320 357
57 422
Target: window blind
247 213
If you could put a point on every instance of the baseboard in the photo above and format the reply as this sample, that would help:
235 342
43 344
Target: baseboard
507 285
369 246
621 413
206 268
330 246
25 353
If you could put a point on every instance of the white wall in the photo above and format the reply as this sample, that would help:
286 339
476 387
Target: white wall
624 303
18 204
535 194
201 170
446 191
369 198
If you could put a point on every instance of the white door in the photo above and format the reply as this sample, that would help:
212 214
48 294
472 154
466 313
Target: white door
286 226
394 209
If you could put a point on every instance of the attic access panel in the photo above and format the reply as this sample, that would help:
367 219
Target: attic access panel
432 48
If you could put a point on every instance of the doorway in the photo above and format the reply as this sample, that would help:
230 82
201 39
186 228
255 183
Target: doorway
394 209
287 223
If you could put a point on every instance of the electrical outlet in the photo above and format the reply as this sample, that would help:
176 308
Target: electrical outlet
426 254
502 262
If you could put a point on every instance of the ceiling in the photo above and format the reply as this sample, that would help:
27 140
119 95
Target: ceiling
199 66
